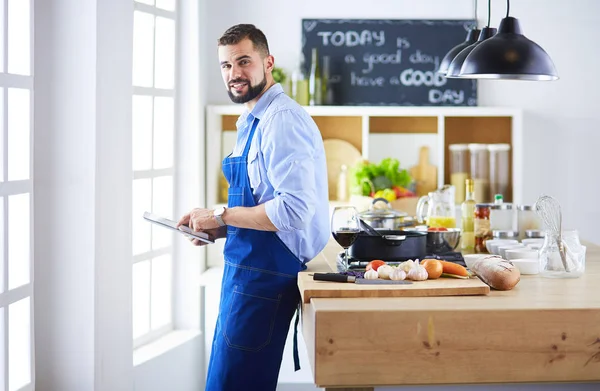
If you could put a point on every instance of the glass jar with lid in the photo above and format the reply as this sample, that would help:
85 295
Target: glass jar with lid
481 226
499 168
459 169
480 172
527 219
501 217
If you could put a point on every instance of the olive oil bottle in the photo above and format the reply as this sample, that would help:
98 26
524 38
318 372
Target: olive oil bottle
467 244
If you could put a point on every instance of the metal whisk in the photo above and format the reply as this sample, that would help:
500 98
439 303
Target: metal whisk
549 211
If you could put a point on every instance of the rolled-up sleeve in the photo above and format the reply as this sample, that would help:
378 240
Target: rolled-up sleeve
288 147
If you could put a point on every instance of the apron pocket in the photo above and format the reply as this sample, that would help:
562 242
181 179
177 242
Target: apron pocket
251 318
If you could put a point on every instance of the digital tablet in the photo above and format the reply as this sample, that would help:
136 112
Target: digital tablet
184 229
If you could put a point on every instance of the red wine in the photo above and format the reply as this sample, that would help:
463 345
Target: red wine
346 237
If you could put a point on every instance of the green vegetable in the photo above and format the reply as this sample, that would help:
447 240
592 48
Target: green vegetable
367 178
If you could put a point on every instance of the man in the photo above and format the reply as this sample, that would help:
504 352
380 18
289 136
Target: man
275 222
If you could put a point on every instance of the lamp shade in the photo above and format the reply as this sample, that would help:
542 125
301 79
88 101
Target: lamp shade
472 36
509 55
456 64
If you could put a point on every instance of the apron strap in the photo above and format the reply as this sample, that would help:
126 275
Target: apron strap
296 355
250 137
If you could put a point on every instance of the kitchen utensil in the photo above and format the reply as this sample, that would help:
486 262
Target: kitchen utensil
391 245
381 215
440 242
368 228
437 208
550 213
338 153
335 277
424 174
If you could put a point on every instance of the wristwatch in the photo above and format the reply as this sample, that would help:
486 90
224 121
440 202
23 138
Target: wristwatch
218 213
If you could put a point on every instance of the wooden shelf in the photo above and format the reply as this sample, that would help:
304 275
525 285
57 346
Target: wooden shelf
348 128
403 124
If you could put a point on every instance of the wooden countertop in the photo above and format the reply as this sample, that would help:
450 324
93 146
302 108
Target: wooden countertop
544 330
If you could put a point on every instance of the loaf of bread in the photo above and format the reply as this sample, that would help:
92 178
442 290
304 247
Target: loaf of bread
497 272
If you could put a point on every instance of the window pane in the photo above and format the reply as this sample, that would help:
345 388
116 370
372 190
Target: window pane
18 134
141 298
3 347
164 123
161 291
19 40
1 54
143 49
162 205
2 139
165 53
168 5
149 2
142 132
142 202
18 240
19 345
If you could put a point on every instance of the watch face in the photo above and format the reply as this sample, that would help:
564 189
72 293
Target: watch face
219 211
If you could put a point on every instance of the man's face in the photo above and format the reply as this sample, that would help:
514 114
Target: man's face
244 71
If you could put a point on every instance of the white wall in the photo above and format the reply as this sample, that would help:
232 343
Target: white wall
560 121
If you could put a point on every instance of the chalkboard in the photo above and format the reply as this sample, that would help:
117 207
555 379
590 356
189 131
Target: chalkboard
389 62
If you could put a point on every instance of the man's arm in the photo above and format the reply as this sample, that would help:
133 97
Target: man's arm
255 217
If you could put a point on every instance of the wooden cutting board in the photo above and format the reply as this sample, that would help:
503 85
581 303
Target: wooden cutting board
424 174
441 287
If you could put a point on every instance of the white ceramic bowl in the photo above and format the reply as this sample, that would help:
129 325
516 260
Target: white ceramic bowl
532 241
521 253
492 245
527 266
535 246
502 249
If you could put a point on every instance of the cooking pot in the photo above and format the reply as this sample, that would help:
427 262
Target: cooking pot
383 217
389 245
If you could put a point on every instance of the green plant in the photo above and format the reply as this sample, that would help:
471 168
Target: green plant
278 75
368 177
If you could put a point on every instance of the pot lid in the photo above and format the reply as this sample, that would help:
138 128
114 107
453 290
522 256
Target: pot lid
382 213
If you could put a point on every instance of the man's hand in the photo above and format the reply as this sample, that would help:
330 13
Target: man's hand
199 219
213 234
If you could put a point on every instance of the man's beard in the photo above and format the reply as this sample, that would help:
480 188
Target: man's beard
253 91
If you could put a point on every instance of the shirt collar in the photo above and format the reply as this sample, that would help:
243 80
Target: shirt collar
261 106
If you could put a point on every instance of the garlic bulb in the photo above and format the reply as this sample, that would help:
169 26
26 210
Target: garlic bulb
398 274
384 271
371 275
417 273
407 265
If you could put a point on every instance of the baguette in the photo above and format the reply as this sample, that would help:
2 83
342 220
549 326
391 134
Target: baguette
497 272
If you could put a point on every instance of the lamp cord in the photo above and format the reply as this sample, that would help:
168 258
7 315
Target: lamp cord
475 8
507 7
489 12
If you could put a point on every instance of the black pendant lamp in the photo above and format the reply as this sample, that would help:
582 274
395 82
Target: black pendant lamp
472 36
457 63
509 55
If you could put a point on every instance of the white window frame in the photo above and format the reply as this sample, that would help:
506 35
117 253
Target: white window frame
154 92
11 188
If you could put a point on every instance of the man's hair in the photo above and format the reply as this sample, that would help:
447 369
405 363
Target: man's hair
239 32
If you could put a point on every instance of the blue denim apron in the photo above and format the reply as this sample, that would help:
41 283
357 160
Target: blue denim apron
259 295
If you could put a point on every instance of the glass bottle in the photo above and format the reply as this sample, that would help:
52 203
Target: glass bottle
327 95
468 211
315 88
481 226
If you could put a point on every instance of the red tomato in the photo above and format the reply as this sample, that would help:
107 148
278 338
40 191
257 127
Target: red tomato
437 229
374 264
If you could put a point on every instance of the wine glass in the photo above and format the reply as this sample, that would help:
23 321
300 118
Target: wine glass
345 227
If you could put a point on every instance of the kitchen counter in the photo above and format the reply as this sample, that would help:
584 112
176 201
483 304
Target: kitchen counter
544 330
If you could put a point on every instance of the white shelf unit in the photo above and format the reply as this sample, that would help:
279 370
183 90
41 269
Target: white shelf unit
356 123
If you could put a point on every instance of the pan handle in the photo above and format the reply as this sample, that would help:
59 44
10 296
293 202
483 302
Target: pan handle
394 240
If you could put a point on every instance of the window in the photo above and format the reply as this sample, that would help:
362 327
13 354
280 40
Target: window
16 271
153 129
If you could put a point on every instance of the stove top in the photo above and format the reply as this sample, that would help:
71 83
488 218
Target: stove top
361 264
